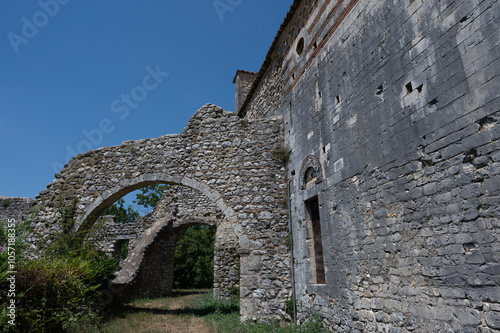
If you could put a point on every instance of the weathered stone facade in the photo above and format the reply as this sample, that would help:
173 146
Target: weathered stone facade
397 229
229 166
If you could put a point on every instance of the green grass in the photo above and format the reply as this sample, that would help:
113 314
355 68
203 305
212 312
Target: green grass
191 311
223 316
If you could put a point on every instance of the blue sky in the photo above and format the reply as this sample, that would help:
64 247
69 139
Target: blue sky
67 67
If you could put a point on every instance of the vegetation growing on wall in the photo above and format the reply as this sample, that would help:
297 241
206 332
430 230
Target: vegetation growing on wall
282 154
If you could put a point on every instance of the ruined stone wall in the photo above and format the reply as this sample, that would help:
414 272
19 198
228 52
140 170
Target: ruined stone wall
185 203
224 159
392 115
16 208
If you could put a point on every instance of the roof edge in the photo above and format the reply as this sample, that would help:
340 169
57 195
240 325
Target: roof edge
243 72
269 57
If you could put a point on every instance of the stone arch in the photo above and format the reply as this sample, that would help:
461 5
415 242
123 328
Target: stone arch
148 269
217 154
106 199
135 277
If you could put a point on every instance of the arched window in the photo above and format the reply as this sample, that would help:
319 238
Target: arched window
310 175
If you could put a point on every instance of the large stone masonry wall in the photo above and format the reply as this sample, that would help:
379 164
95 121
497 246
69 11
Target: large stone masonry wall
224 159
398 102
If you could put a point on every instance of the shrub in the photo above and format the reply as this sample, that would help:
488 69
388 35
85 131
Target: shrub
282 154
57 290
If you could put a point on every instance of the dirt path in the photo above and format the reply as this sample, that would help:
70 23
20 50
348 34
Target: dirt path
160 315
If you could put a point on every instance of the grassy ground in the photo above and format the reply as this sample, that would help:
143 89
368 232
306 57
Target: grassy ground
190 311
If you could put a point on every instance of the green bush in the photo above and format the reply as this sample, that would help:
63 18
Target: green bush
58 290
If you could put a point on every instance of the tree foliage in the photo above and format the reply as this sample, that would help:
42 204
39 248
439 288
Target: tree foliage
194 259
150 195
123 215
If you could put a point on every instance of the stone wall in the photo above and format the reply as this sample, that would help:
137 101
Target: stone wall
242 84
16 208
267 96
148 269
227 161
392 114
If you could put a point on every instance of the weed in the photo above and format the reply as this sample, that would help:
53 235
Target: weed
234 291
5 203
56 291
289 307
282 154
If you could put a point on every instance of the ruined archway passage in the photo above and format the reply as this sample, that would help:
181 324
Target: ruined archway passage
228 160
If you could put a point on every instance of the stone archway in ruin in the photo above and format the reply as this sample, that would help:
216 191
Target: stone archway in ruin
148 270
227 160
157 244
94 210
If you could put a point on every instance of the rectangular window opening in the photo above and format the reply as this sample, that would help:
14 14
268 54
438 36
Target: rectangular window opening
409 87
315 242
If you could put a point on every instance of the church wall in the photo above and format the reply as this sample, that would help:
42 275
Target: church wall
396 104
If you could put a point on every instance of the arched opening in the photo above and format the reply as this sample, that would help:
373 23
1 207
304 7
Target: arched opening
300 46
310 177
194 257
149 268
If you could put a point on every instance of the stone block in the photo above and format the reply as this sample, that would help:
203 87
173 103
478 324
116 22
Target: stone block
492 319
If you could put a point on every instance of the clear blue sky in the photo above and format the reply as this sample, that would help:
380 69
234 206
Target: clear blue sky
66 69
